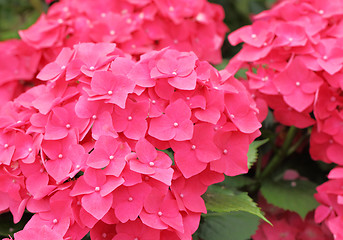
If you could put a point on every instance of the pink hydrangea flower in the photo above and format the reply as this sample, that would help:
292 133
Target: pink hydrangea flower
69 144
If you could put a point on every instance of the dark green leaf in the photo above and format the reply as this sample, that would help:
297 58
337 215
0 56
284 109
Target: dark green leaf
221 199
295 196
228 226
253 152
241 73
237 181
222 65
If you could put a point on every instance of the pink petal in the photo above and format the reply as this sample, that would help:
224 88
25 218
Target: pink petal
96 205
184 83
152 220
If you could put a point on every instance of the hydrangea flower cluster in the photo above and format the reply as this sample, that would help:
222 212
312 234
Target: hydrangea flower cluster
293 56
87 150
330 197
289 225
136 26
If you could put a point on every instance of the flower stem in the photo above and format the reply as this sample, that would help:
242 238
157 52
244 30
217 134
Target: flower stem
280 154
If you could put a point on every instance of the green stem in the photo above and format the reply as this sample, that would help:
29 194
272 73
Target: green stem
280 154
295 146
258 167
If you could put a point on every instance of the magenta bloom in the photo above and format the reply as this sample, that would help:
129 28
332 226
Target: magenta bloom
199 151
298 85
111 88
84 151
136 229
178 68
174 124
153 163
108 150
95 187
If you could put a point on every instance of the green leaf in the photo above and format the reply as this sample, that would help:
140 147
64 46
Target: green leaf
241 73
228 226
296 196
221 199
253 152
222 65
237 181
